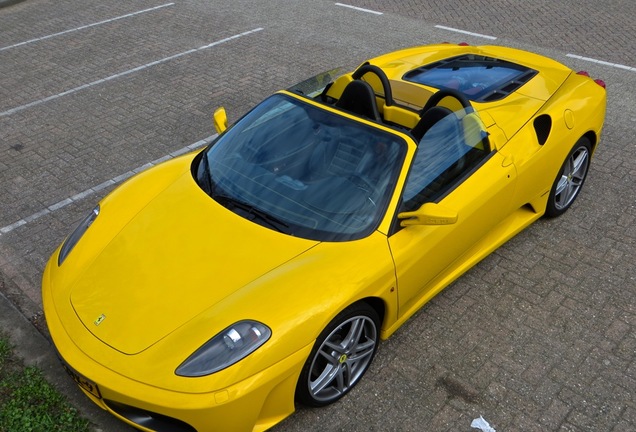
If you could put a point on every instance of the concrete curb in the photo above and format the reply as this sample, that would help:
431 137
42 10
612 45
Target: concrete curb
35 350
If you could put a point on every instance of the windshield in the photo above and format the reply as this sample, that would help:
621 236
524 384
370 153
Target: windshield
315 85
296 168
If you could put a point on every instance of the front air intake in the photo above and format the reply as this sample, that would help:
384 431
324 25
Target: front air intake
148 419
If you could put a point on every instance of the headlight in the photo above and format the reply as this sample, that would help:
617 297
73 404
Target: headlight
72 240
226 348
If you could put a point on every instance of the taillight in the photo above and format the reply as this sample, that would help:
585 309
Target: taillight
600 82
587 74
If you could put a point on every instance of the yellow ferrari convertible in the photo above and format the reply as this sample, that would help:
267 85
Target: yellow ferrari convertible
218 289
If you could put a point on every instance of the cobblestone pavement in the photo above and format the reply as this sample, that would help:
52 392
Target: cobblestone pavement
539 336
587 27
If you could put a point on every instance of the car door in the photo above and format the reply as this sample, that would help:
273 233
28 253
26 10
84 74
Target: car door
460 208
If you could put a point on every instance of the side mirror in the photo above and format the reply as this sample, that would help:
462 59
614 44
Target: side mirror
428 214
220 119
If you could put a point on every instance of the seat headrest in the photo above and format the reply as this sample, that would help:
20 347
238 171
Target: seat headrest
358 98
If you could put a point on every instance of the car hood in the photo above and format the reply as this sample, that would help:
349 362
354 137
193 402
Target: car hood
179 255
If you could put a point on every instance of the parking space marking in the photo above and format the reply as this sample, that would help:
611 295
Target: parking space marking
602 62
465 32
359 9
128 72
86 26
110 182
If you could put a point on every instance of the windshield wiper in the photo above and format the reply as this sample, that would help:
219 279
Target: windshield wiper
252 211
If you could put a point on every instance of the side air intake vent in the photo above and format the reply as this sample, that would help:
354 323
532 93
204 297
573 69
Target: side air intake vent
542 127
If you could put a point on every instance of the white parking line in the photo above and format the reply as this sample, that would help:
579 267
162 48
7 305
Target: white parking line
119 75
120 178
465 32
359 9
86 26
602 62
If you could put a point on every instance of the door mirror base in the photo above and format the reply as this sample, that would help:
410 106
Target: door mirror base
429 214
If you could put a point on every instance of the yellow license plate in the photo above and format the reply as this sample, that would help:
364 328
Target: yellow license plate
83 382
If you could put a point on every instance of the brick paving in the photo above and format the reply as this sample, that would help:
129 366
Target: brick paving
603 30
539 336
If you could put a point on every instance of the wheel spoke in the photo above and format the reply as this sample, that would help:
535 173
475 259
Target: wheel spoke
362 351
563 183
353 336
347 376
329 356
579 165
570 191
325 379
337 348
342 383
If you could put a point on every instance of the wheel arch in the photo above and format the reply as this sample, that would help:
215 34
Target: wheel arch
592 137
378 305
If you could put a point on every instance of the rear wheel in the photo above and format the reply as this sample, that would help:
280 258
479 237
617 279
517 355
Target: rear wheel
569 182
340 357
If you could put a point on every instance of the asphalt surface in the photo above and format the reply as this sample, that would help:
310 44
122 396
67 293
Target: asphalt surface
539 336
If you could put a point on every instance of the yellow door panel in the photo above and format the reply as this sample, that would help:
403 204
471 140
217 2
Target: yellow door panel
422 252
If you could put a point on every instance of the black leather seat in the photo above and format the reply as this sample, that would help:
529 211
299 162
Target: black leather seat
358 98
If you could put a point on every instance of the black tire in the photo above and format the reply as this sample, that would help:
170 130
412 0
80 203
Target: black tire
570 180
340 357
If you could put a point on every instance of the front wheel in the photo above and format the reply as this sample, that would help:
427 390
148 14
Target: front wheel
570 179
341 355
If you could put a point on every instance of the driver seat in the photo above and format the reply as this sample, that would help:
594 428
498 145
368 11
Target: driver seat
358 98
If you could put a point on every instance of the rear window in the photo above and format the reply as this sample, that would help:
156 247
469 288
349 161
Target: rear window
481 79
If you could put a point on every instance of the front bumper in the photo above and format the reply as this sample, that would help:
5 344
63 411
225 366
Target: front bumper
254 404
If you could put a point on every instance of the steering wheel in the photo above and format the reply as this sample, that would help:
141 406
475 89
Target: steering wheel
361 183
386 87
367 188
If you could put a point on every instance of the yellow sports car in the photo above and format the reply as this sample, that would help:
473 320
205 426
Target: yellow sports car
216 290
